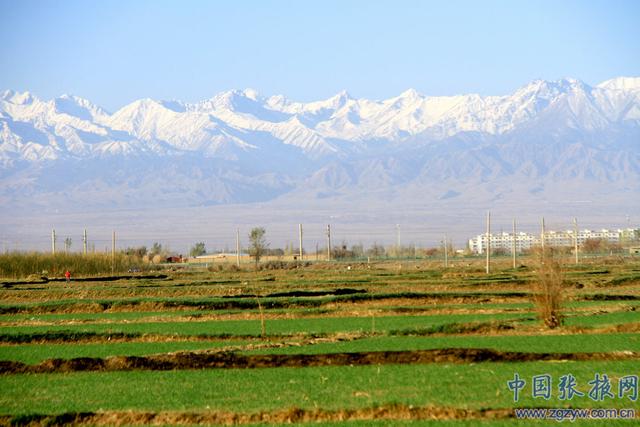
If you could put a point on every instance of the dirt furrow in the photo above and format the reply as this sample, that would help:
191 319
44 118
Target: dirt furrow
225 360
292 415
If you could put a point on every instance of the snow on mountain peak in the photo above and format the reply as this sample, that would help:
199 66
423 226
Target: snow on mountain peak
251 94
18 98
278 102
548 88
242 118
621 83
174 105
230 100
411 93
339 99
575 84
334 103
77 107
7 94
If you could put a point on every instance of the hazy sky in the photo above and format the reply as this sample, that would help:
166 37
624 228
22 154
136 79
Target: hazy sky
113 52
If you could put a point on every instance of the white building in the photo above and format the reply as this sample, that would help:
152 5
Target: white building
524 241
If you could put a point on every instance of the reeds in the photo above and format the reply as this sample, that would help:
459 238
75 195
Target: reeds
18 265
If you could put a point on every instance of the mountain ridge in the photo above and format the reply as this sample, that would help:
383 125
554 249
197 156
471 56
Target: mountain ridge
239 146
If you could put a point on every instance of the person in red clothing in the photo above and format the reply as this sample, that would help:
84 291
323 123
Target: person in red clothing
67 274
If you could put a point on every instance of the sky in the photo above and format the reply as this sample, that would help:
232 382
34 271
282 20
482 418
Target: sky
113 52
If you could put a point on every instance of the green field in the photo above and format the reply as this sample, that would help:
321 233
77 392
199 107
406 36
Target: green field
250 390
307 326
591 343
36 353
322 310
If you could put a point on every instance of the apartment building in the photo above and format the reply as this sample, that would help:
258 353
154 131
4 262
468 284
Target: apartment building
524 241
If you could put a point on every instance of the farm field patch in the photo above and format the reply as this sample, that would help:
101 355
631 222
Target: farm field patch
476 386
390 343
583 343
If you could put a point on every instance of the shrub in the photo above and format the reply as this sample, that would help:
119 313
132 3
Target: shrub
341 252
277 265
283 265
547 291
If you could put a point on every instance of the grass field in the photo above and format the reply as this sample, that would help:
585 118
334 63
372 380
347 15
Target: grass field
84 353
36 353
249 390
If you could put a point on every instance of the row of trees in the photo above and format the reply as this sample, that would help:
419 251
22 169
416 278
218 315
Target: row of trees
259 247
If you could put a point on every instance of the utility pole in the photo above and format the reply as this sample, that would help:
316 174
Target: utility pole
238 247
328 242
488 246
397 240
542 236
513 245
575 237
300 235
84 242
53 241
446 258
317 253
113 251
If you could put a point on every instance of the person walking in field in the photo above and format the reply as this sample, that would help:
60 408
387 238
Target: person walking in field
67 275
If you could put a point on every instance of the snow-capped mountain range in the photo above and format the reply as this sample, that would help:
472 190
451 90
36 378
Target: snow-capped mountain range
547 137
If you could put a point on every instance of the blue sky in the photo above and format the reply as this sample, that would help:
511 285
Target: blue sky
113 52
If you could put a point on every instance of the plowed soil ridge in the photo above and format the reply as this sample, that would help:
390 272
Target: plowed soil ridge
226 360
44 280
249 301
291 415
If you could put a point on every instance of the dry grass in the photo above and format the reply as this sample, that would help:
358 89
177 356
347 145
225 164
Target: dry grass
17 265
548 289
